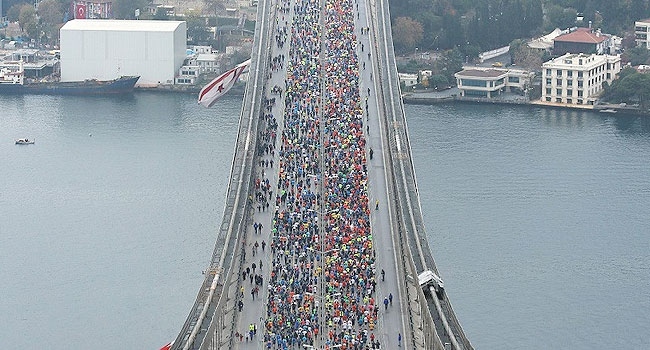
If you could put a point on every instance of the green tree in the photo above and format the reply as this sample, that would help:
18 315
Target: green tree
196 29
407 34
125 9
438 81
50 15
28 21
451 63
524 56
13 13
560 17
533 16
630 87
636 55
212 7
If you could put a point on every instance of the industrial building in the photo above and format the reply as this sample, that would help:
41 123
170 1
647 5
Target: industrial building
107 49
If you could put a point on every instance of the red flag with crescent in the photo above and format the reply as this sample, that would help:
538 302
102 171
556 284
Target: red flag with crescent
221 84
80 11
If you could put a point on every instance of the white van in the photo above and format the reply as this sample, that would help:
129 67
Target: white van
428 278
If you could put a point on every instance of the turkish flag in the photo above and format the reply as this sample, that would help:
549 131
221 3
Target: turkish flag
80 11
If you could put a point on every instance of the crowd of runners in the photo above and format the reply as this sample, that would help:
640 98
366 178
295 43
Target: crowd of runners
321 284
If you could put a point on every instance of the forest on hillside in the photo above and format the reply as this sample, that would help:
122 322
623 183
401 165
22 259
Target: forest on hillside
474 26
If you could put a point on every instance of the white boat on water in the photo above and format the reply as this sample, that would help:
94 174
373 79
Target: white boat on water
609 110
24 141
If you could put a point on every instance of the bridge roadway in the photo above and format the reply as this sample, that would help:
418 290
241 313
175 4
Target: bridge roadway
424 319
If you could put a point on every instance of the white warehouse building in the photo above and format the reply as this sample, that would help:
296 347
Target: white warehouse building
107 49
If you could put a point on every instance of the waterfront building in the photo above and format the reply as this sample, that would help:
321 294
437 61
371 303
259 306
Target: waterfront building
187 75
491 82
581 40
107 49
578 78
33 63
408 80
642 33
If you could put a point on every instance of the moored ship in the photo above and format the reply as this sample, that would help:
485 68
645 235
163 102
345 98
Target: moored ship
13 82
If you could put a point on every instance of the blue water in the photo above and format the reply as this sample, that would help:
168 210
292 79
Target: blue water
107 221
538 219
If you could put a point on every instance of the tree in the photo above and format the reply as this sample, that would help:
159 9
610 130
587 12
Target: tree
636 55
559 17
631 87
407 33
196 29
212 7
13 13
125 9
438 81
451 63
533 16
51 16
524 56
28 21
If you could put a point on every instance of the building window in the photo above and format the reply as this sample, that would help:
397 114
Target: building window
580 74
568 100
569 82
558 92
609 76
579 83
558 82
558 99
579 93
548 81
559 73
548 91
548 99
569 92
472 82
569 73
580 101
548 72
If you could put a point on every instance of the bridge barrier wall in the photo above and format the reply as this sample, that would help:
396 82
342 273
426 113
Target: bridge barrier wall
212 319
423 331
411 223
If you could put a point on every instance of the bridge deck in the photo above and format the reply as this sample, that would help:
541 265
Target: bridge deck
322 162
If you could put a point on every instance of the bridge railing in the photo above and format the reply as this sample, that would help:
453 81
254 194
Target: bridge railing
410 226
212 319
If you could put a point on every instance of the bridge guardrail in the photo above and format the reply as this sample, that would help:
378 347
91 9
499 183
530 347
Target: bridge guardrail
213 334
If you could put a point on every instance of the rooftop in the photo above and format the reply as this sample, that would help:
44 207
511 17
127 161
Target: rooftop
488 73
582 35
122 25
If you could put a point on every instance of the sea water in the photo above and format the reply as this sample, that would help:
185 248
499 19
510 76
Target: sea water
539 219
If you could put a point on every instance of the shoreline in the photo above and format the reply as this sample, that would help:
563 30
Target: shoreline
428 98
188 89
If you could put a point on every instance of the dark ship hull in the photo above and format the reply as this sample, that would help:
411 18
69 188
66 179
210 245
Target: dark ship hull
122 85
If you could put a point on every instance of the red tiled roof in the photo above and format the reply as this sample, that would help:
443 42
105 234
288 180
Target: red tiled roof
582 35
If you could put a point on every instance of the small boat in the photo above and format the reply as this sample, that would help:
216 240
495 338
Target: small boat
24 142
608 110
